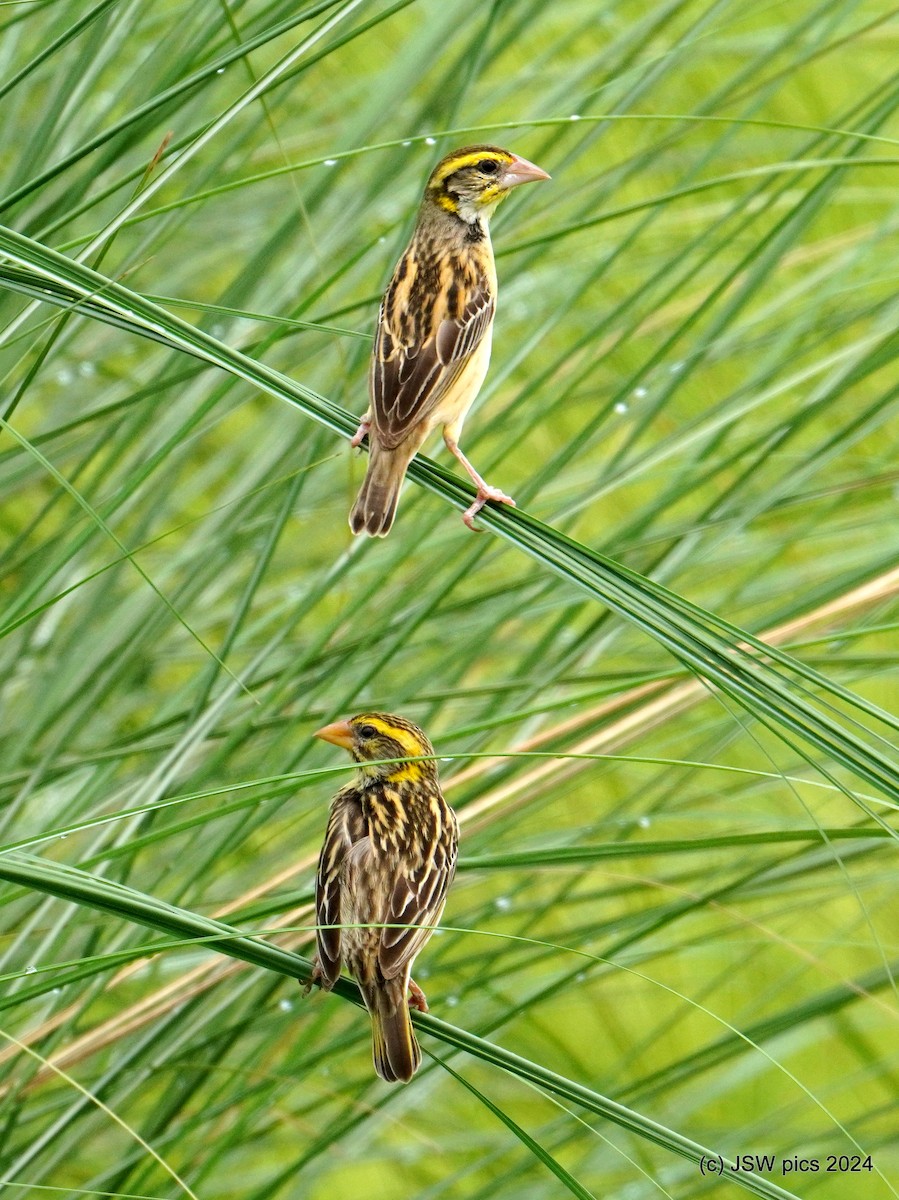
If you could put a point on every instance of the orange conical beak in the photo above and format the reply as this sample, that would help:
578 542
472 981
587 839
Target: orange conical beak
520 170
339 734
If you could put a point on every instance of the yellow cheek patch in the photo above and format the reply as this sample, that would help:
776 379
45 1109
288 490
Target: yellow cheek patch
491 195
407 773
447 202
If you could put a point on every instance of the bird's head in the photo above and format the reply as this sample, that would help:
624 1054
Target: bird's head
469 183
373 737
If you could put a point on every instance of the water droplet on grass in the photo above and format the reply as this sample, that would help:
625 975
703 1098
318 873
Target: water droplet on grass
429 141
621 408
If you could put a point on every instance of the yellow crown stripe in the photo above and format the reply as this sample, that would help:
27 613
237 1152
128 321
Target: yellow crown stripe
457 162
409 742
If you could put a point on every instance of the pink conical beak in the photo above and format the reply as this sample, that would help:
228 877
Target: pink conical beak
520 170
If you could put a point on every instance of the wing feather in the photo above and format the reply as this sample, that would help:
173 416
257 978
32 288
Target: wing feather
429 325
339 839
416 905
458 337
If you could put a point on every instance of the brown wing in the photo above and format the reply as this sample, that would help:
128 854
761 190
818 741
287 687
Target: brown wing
344 828
429 325
416 905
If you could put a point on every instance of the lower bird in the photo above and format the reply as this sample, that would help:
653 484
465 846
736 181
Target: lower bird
385 867
435 327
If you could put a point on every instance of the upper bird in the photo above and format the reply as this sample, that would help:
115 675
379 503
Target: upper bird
387 861
435 325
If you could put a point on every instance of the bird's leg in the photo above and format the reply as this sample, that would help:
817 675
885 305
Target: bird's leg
318 977
485 491
361 433
417 997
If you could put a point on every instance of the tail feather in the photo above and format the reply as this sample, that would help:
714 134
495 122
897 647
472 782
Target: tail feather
395 1049
376 503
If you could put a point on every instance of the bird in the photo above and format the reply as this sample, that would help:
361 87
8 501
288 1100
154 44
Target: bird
435 325
385 867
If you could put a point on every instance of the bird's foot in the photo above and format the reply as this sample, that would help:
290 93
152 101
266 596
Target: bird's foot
317 979
417 997
485 493
361 433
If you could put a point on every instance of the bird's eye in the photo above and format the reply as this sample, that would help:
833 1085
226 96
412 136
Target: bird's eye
367 731
488 166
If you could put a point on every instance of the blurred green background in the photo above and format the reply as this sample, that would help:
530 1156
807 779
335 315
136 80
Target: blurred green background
677 878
